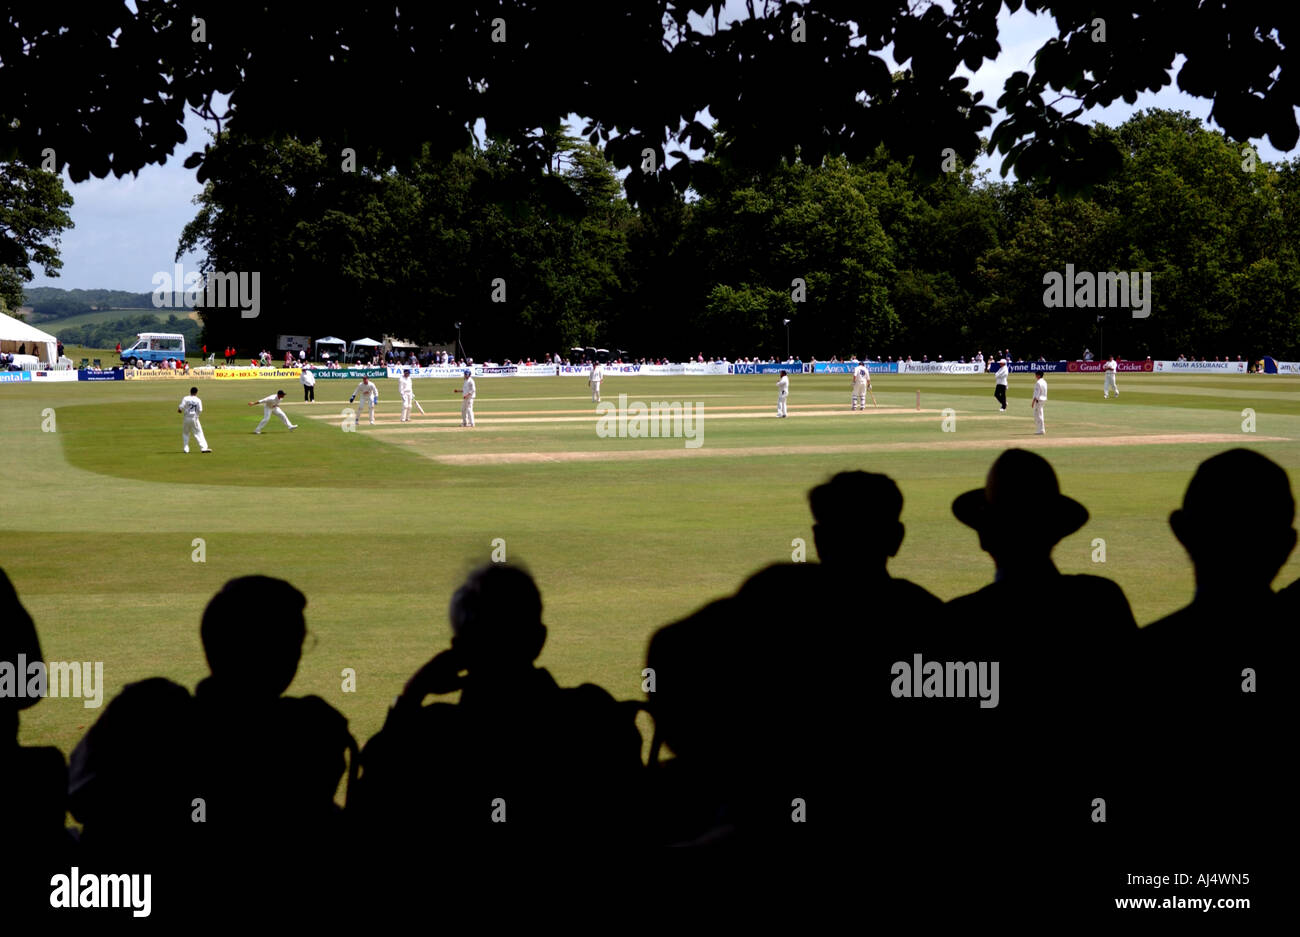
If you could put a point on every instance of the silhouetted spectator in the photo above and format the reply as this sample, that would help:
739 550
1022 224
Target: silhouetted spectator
518 759
265 766
1289 599
33 781
856 529
1061 642
756 705
1217 673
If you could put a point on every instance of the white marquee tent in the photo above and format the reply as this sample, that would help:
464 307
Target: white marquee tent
364 343
331 341
15 333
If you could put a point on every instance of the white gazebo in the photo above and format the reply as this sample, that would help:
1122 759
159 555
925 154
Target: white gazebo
332 342
15 333
363 343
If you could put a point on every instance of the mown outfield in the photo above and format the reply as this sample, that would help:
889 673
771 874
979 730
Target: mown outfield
378 526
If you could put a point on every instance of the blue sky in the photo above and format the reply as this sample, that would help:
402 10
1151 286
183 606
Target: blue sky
127 229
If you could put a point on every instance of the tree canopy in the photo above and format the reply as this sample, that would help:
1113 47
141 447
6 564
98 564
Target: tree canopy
788 78
862 257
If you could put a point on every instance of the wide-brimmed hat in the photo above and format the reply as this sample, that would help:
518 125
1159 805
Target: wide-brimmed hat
1021 489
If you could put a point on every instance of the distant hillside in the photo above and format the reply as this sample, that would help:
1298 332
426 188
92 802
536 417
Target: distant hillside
123 328
50 303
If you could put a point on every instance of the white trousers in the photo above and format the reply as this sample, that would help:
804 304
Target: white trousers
859 396
406 406
361 408
192 426
1109 385
1039 426
467 412
266 416
595 391
780 403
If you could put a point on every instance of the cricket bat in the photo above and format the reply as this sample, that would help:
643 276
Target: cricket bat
417 406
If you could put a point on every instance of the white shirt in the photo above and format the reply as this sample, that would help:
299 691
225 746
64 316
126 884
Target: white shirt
467 389
783 386
308 379
404 386
860 374
597 375
1110 365
1040 389
1001 376
191 407
270 402
366 389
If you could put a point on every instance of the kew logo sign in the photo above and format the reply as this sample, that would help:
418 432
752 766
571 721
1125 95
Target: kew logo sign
1103 290
242 291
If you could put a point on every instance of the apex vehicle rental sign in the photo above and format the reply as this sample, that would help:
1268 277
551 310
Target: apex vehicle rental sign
848 367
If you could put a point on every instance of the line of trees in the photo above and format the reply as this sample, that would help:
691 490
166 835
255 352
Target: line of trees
862 257
49 302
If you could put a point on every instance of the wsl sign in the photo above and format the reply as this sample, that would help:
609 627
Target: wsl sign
1103 290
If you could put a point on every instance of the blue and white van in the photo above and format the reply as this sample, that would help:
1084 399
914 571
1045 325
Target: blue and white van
154 346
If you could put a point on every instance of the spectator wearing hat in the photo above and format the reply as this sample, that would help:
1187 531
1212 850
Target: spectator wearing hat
1062 643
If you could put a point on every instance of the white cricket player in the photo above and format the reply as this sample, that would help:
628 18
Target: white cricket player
782 391
308 386
1109 369
467 391
369 394
1039 401
408 395
597 375
270 406
190 408
861 382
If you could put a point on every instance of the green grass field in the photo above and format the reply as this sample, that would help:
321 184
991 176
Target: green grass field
378 526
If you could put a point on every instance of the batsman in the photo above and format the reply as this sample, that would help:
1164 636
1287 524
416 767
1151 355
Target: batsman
408 395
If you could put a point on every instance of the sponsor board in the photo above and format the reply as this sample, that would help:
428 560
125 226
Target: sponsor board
562 370
1288 367
14 377
1029 367
848 367
244 374
155 374
436 370
795 367
944 367
339 374
1202 367
63 375
1095 367
113 374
